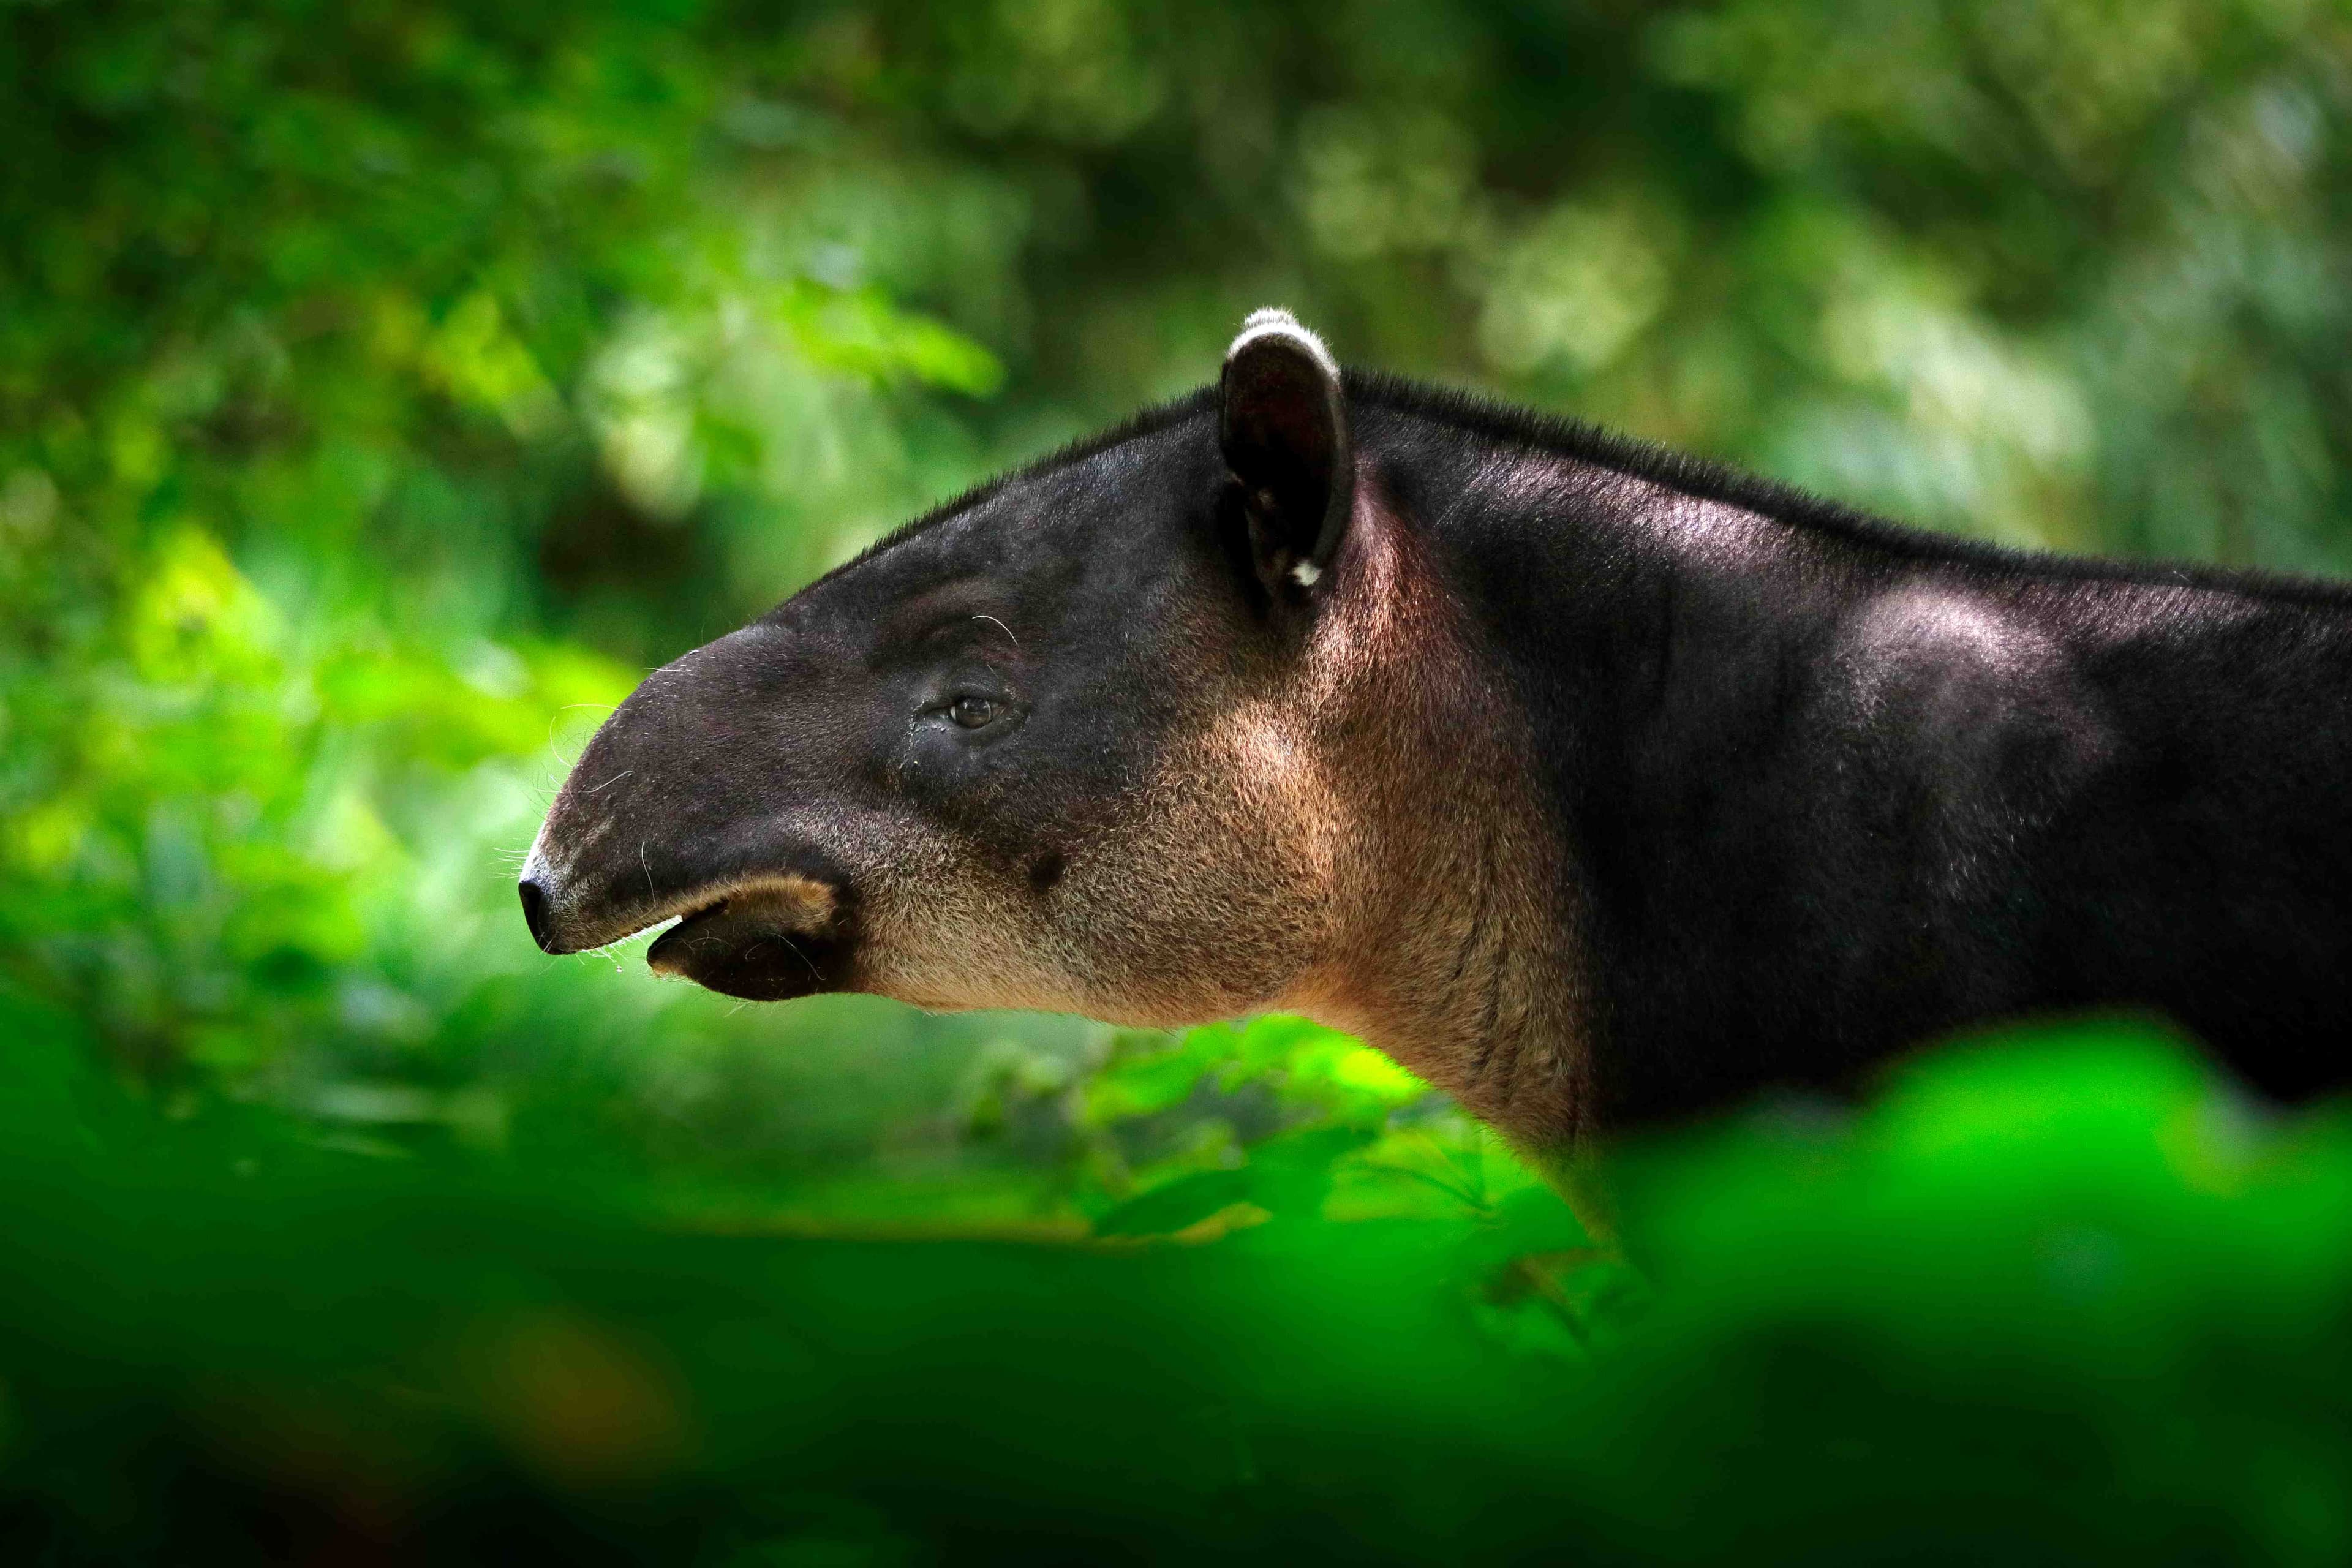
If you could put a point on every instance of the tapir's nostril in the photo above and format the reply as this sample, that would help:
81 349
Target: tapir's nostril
534 911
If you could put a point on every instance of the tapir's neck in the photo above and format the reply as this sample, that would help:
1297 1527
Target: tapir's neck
1687 788
1459 955
1526 607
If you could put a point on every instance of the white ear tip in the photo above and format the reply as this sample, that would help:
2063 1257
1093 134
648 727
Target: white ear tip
1272 321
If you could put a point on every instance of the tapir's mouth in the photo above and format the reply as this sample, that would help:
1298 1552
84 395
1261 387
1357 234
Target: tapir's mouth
768 943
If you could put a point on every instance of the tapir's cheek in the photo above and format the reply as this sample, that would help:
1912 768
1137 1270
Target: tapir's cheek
933 766
993 795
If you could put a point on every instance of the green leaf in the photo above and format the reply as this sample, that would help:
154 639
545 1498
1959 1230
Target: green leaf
1178 1205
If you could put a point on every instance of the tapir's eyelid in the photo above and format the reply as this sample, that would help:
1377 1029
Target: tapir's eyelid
974 711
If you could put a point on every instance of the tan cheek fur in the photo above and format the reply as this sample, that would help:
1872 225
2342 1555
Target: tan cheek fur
1358 843
1156 921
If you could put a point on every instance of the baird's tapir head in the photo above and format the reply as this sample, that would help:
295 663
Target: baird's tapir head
1075 742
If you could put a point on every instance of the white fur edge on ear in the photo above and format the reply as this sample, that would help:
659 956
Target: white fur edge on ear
1272 321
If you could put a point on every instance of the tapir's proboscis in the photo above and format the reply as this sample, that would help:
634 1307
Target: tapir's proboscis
1593 783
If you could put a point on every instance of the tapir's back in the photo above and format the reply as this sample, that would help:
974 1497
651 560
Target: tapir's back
2205 866
1858 799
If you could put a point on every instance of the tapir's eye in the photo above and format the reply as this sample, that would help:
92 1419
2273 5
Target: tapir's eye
974 712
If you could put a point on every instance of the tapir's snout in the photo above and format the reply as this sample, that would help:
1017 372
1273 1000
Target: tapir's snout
702 801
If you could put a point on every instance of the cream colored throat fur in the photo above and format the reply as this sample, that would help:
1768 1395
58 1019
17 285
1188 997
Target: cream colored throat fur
1454 942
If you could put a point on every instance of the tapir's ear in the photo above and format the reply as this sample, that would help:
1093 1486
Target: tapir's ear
1282 422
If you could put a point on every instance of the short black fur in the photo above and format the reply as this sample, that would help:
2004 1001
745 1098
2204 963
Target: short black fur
1527 430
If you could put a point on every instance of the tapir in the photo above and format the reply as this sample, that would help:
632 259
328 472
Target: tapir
1594 784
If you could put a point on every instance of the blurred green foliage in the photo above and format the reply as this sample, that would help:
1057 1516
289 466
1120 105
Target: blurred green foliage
384 386
2056 1298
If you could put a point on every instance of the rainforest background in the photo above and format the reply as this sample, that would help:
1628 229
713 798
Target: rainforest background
383 387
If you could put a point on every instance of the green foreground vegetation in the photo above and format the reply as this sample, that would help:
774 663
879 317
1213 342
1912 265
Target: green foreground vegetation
2057 1299
384 387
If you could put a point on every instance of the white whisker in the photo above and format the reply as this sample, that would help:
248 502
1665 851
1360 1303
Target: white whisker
553 718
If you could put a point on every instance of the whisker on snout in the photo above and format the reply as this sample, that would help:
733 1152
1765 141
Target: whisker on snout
556 717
